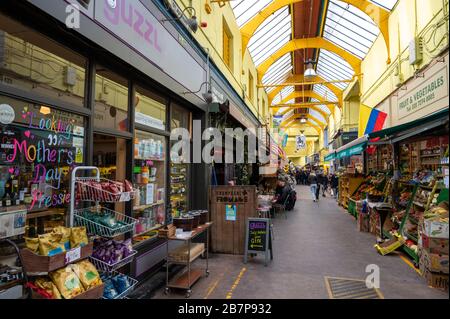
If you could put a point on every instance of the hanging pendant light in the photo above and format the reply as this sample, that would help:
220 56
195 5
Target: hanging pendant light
310 73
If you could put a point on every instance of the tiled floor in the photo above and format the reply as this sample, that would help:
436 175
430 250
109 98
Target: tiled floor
317 240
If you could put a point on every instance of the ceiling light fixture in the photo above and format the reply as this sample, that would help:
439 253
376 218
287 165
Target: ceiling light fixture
310 73
303 120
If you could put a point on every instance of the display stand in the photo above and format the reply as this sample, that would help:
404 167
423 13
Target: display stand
186 279
81 190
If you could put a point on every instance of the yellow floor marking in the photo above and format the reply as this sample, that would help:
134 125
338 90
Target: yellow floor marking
236 283
410 264
213 286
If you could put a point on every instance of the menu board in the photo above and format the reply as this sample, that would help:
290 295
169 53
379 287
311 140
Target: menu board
258 238
257 235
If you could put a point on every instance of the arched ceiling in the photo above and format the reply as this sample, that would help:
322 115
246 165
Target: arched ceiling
281 34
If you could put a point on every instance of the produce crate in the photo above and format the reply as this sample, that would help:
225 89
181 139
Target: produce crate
93 293
168 231
389 246
37 264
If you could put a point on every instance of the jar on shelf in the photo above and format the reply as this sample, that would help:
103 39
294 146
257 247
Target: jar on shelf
145 175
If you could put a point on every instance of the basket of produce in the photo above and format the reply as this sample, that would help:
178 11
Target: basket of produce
76 281
104 222
117 285
111 255
103 190
56 249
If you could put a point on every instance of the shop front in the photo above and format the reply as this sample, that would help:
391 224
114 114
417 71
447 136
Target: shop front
69 100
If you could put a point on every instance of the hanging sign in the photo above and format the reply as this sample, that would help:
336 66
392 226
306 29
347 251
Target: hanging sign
258 238
301 142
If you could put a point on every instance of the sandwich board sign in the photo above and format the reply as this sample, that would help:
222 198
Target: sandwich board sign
258 238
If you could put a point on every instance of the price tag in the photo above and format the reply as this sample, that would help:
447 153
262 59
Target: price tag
72 255
125 197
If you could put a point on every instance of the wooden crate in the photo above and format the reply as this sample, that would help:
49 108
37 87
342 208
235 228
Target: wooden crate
228 237
93 293
167 231
37 264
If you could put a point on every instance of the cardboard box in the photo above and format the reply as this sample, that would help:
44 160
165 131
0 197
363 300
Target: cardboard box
434 245
363 222
433 262
435 228
436 280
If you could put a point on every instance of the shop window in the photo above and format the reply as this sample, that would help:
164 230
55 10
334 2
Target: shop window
227 46
34 63
251 89
38 150
150 109
179 170
149 178
111 101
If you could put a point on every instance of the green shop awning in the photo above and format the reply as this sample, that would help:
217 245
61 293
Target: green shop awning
416 127
330 157
355 147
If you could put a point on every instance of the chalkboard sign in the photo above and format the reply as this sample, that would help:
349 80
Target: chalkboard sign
258 238
257 233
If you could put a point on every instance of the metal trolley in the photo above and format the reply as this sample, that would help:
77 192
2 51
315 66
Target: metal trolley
190 275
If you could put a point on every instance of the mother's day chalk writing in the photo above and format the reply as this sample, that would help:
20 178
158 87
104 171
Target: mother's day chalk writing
46 144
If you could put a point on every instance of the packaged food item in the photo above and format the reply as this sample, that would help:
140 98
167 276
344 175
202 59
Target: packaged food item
50 244
110 292
112 251
46 284
78 237
121 283
87 273
65 235
32 244
67 282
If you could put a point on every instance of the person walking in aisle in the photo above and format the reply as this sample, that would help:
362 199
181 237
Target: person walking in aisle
324 184
312 180
334 185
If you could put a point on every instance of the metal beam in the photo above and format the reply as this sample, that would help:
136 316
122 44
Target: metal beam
312 107
378 14
302 83
309 94
300 78
309 43
294 117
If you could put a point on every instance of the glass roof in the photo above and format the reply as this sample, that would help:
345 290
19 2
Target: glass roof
332 67
279 71
386 4
345 26
349 28
244 10
283 94
271 35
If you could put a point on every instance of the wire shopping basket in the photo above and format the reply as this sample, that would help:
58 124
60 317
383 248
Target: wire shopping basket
133 282
99 190
91 219
109 267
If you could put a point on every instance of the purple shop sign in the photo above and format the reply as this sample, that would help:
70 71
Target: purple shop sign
135 25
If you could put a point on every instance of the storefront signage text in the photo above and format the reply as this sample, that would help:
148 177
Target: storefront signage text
46 153
124 13
424 95
232 197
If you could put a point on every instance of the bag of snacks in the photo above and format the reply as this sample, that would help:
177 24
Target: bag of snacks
46 284
50 244
87 273
32 244
68 283
78 237
65 235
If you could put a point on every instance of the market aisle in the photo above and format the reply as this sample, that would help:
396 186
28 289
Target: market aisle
317 240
